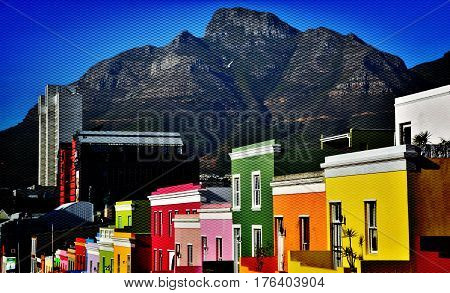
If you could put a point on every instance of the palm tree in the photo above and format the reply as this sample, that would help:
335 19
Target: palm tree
422 138
349 253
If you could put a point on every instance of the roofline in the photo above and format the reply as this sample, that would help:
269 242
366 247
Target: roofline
429 94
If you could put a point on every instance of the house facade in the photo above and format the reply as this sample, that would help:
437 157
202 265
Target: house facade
165 204
92 256
80 254
423 111
106 249
367 193
188 244
300 213
252 169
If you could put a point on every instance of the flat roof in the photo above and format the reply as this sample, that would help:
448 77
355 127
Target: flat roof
436 92
130 138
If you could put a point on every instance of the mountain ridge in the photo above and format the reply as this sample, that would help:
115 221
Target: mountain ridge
247 61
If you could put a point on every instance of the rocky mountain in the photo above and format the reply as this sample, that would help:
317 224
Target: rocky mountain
247 62
435 73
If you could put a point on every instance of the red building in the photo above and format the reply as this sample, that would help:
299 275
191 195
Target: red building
80 254
67 156
165 204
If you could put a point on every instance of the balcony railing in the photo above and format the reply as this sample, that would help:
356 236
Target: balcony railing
435 150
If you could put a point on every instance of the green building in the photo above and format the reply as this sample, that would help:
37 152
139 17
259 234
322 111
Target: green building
106 249
133 216
252 169
357 139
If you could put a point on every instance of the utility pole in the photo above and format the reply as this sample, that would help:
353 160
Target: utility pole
18 255
53 263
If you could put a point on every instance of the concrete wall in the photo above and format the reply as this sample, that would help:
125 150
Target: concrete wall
218 228
428 110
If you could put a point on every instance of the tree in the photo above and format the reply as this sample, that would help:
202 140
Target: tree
261 253
349 252
422 139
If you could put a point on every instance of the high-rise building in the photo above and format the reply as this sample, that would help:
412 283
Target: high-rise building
60 116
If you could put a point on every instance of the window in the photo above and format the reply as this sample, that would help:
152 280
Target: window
128 263
155 223
103 264
111 269
170 223
371 224
336 232
155 260
188 212
160 223
256 239
405 133
90 266
160 262
304 232
236 191
119 222
130 221
256 190
178 250
176 212
204 247
218 248
194 211
189 255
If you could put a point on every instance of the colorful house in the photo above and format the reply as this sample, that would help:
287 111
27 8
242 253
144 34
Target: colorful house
166 203
188 244
62 256
252 169
70 259
92 256
106 249
80 254
394 199
132 240
216 225
300 213
203 241
123 245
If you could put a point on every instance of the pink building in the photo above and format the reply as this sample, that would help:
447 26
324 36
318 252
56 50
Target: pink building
216 224
203 241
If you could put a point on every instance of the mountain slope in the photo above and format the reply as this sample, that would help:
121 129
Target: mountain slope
247 64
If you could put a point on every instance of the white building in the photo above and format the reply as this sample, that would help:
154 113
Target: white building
424 111
60 116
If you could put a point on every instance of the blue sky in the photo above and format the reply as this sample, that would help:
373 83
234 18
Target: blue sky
57 41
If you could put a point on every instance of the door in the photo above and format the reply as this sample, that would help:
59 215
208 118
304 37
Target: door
336 233
237 248
171 260
280 242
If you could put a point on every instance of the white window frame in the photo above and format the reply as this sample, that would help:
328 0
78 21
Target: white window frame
161 224
219 256
170 223
369 228
190 254
301 218
256 207
240 239
256 227
236 204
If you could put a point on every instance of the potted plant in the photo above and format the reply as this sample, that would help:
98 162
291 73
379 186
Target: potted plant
261 252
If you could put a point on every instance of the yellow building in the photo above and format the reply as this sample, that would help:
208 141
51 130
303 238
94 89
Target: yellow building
123 246
367 195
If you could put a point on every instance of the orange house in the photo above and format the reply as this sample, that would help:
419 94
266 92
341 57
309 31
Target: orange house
299 204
